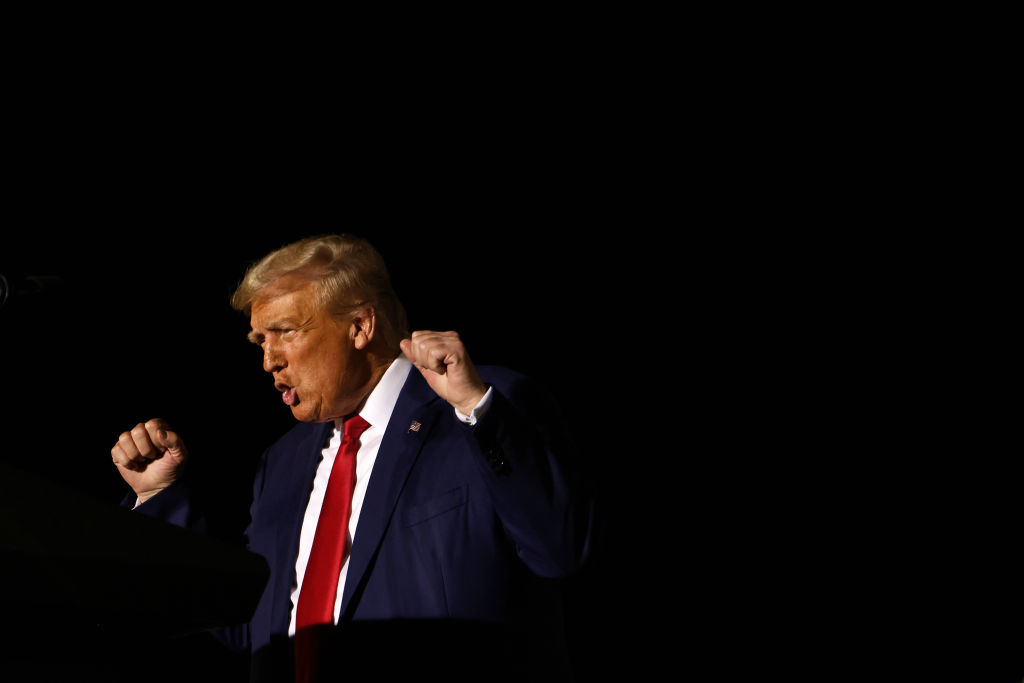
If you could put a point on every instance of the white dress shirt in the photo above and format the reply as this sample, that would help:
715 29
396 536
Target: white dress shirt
377 412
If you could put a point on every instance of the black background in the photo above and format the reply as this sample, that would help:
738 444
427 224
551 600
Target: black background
141 327
518 202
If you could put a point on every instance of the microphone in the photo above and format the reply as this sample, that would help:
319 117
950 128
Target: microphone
28 286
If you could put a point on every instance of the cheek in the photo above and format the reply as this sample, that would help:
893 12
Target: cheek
323 377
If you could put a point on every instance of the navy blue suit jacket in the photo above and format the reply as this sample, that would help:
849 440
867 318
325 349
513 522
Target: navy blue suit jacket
456 524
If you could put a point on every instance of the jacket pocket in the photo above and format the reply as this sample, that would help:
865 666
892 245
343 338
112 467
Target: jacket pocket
421 512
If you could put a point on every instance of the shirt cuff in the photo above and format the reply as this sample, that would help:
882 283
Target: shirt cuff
479 411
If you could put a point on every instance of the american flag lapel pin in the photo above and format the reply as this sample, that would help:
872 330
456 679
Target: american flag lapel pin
414 426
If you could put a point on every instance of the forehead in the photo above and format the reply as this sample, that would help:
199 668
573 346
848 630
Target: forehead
283 301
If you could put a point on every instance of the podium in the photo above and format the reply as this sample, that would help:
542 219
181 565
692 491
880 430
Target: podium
60 548
84 581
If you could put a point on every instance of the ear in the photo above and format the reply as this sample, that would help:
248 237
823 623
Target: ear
364 326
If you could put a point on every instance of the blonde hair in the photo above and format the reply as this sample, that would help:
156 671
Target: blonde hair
347 273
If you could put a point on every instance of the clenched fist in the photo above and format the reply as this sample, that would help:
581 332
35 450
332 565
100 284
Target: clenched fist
443 361
149 457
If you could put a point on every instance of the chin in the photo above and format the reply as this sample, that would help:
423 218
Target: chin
308 414
304 413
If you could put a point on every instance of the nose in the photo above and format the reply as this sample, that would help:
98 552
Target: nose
273 359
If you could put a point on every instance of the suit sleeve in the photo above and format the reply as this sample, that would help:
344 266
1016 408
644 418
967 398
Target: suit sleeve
540 492
174 505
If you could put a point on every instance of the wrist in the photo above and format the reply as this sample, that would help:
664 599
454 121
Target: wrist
146 495
470 405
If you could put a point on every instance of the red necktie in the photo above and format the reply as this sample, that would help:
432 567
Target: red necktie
330 545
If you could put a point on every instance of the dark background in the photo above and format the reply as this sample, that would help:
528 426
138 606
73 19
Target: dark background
140 326
513 202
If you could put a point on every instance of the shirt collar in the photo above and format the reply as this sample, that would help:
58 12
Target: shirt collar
381 401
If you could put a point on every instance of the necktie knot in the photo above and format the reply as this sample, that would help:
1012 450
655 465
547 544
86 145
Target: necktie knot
354 428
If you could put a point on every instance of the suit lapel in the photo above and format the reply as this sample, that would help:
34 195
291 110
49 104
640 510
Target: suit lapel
299 483
415 412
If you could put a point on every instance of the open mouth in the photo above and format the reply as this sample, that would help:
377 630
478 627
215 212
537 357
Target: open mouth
288 394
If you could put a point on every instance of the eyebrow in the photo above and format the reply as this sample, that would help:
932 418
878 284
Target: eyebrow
276 326
257 337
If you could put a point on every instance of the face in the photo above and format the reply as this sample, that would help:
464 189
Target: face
316 361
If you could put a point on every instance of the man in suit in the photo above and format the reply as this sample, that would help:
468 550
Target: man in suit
459 492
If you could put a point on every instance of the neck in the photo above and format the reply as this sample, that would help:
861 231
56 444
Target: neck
379 365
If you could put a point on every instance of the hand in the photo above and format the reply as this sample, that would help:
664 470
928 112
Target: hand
444 363
150 457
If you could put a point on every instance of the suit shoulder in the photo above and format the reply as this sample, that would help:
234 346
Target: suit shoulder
502 377
299 434
516 385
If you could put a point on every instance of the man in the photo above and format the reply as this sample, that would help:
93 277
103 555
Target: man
413 506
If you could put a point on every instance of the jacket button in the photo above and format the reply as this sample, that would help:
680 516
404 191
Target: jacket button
496 458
